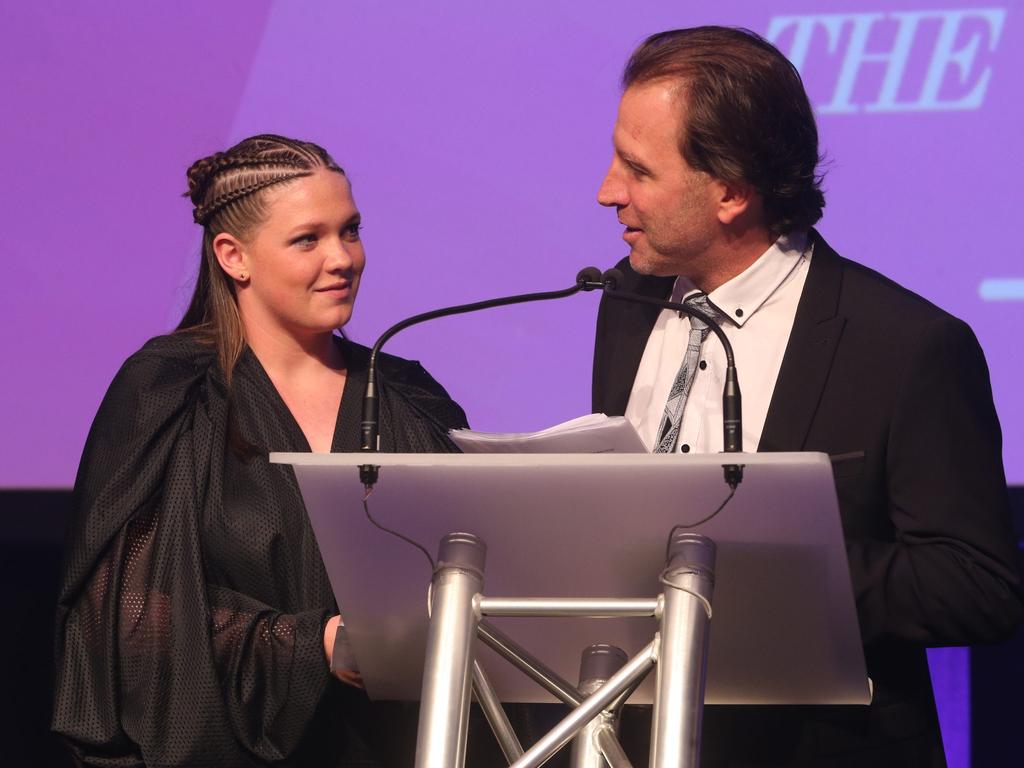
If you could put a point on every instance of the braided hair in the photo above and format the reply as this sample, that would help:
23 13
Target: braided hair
227 194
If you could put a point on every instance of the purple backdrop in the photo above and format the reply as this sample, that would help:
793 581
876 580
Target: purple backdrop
475 141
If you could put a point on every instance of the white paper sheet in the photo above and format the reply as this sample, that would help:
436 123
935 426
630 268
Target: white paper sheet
593 433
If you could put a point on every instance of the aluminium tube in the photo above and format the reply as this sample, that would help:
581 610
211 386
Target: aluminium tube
444 703
495 715
610 747
531 666
688 582
597 664
582 607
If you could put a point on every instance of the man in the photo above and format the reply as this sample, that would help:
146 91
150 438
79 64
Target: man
714 178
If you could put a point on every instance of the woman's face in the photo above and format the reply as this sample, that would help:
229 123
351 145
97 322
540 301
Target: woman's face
304 261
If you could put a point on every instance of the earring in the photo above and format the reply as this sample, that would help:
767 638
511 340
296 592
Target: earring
242 277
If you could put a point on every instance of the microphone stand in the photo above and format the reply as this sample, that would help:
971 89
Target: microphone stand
588 279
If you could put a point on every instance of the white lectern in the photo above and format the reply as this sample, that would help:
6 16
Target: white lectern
585 536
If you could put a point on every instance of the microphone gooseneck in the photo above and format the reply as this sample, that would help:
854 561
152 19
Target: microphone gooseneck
732 409
611 280
588 279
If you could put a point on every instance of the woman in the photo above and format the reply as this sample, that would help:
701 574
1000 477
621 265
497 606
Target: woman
196 625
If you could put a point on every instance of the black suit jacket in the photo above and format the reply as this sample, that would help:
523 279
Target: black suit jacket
874 371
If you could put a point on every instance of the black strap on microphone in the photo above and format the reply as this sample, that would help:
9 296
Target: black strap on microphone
732 411
587 279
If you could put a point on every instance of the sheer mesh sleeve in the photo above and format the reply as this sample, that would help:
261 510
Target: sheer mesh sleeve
155 666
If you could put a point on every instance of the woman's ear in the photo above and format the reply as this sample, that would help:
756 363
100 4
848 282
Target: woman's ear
231 256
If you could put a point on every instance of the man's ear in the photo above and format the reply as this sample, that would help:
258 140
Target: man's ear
732 200
231 256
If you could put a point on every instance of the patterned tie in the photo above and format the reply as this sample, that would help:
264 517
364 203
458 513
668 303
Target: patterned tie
673 418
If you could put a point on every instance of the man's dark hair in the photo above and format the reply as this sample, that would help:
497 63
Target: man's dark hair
747 116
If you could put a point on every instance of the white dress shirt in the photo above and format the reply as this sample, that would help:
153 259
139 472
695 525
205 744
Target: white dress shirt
759 304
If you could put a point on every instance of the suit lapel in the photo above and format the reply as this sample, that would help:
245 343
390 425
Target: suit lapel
625 329
817 328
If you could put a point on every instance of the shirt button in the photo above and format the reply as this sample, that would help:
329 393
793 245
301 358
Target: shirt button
739 313
685 448
703 364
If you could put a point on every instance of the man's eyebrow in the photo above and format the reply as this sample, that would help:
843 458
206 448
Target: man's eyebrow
631 159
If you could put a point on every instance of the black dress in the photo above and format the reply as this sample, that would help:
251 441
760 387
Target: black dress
190 622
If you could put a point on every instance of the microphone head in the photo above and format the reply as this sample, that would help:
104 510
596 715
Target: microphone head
612 279
589 278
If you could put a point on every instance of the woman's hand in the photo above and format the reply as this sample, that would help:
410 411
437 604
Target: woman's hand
346 672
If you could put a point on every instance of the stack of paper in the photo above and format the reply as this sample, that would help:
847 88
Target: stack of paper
593 433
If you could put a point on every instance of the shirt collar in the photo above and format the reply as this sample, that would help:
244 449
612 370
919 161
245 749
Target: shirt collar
739 298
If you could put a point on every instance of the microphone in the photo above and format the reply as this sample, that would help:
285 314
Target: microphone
587 279
590 279
732 411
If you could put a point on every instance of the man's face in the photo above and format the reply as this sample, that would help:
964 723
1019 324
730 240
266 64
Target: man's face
667 207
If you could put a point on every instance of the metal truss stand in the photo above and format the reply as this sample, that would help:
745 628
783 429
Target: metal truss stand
607 678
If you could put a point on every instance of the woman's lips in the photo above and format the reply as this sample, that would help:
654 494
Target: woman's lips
339 290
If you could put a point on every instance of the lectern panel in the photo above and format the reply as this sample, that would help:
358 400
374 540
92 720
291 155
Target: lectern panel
784 628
